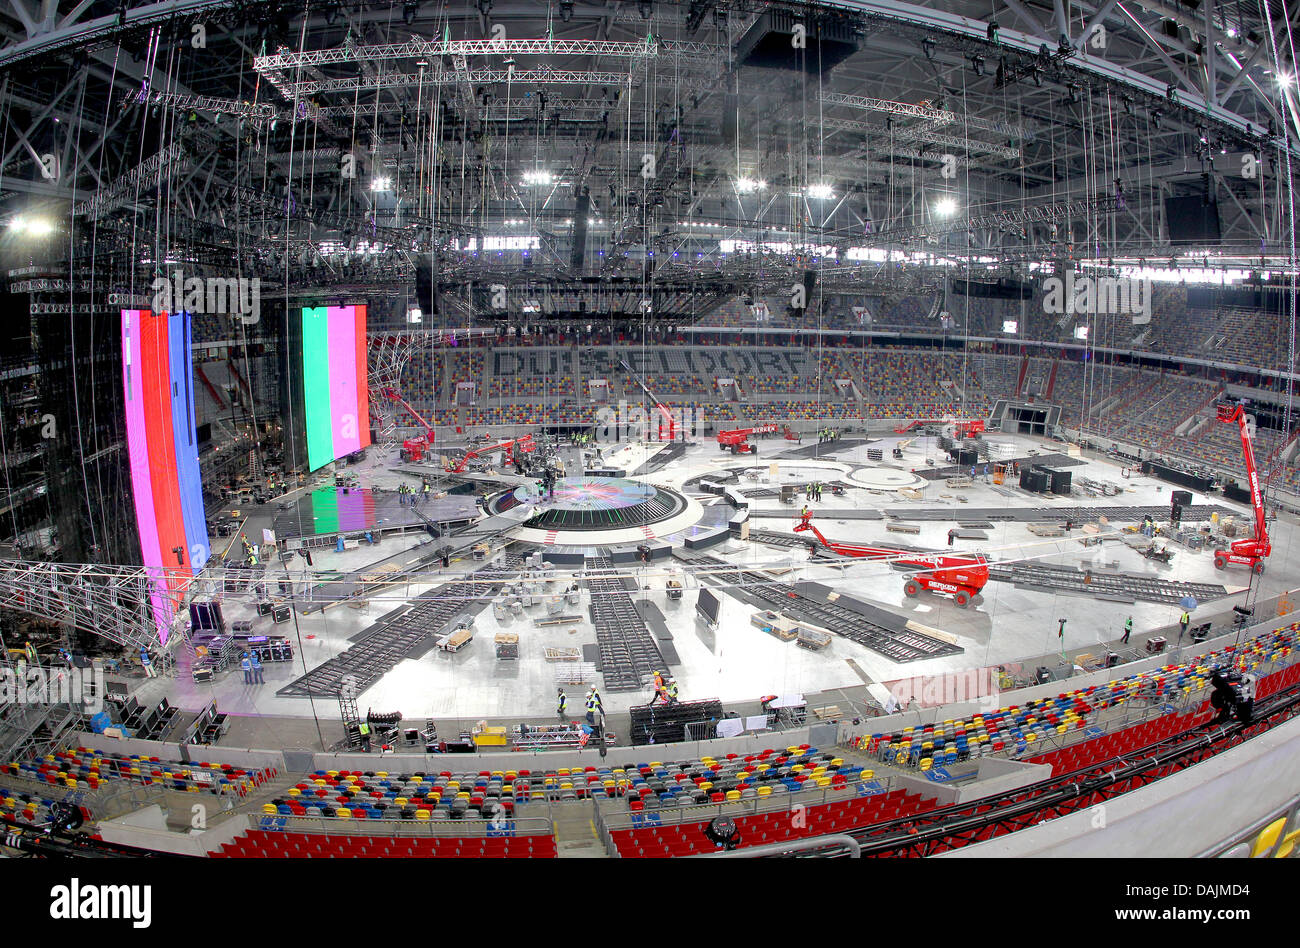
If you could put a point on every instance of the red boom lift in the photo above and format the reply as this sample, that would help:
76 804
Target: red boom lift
962 427
413 449
663 409
961 577
737 440
524 444
1250 552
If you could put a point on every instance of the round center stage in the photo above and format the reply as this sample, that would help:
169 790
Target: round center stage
594 503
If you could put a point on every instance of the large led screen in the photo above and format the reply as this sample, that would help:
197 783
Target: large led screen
335 403
163 451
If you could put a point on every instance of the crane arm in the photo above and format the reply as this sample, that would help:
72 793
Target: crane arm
1237 413
663 409
393 395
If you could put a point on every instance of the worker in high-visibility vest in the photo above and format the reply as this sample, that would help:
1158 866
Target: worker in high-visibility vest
364 730
561 703
672 690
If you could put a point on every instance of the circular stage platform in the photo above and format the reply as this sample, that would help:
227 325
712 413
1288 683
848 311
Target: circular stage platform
886 478
593 503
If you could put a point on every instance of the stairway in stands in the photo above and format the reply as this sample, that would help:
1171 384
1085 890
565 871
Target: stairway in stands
575 833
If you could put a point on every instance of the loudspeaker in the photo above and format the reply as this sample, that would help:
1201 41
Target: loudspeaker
425 291
280 614
1181 497
578 252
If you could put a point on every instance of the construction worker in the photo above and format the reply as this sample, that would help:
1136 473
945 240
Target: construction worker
427 490
147 662
1128 629
247 665
672 690
561 703
1183 621
591 708
659 687
364 730
256 662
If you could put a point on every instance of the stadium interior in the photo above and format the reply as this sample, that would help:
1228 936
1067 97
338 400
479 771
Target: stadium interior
649 429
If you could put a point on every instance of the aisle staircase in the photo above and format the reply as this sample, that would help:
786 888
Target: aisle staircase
575 833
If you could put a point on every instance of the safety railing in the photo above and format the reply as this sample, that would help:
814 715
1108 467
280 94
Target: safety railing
1275 835
675 815
1139 708
396 829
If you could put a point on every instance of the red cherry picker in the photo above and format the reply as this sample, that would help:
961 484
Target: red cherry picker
668 419
961 576
413 449
1254 550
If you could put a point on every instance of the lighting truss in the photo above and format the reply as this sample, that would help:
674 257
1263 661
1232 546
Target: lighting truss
396 80
257 111
420 48
969 145
144 175
888 106
110 601
1003 220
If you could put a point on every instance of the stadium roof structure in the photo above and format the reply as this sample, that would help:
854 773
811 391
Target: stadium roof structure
326 145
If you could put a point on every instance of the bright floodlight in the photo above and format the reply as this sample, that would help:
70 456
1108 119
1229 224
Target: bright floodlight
538 177
747 185
381 184
945 207
1285 78
820 192
32 226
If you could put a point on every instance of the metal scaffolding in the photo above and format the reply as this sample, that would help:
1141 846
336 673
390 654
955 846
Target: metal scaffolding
114 602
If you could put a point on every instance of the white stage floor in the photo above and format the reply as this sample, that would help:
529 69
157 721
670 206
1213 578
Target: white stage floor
737 662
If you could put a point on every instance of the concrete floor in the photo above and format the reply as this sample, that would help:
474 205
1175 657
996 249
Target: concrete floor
736 662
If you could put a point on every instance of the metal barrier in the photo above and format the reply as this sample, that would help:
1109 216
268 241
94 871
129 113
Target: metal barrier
1239 845
449 829
752 806
1135 710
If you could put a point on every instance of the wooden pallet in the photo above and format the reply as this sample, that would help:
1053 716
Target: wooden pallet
828 712
563 654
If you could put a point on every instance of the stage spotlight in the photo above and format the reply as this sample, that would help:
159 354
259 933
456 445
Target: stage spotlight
993 31
408 13
1156 118
945 207
977 63
566 10
644 8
